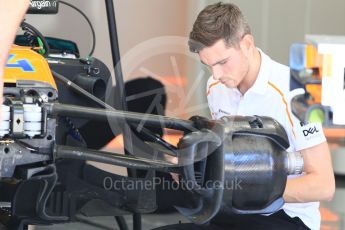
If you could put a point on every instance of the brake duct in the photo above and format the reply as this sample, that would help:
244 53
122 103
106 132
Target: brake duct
245 174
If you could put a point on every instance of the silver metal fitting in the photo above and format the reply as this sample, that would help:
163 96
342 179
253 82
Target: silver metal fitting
295 163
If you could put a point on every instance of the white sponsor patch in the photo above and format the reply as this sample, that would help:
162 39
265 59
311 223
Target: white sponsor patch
309 135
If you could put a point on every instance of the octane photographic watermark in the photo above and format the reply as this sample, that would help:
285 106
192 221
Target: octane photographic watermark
165 184
179 97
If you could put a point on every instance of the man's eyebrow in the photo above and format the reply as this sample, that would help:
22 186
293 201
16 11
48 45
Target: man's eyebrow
216 62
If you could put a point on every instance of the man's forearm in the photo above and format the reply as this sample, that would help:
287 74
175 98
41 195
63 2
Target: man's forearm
318 182
308 188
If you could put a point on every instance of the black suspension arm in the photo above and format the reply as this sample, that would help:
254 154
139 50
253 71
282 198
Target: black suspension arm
68 152
130 117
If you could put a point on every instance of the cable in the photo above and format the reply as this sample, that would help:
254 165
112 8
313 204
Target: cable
88 21
31 29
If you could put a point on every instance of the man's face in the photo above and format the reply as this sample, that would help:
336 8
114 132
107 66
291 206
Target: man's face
229 65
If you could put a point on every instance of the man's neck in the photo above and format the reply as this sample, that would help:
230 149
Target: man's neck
253 72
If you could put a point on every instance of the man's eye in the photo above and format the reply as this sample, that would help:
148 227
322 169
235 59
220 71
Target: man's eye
223 62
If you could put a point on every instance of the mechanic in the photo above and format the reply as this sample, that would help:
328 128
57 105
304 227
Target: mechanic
245 81
11 15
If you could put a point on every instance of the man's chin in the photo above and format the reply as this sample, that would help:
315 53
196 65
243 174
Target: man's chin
230 84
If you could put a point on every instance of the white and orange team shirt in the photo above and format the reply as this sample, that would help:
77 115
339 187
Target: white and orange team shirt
270 96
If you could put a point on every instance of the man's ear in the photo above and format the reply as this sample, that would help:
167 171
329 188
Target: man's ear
247 43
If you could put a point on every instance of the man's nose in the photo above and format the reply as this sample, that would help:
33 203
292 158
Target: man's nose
217 73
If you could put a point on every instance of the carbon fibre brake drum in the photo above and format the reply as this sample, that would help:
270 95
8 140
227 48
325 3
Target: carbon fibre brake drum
240 167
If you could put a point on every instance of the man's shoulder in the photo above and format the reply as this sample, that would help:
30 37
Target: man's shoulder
275 72
279 76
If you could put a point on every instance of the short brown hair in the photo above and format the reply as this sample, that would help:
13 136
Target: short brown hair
215 22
